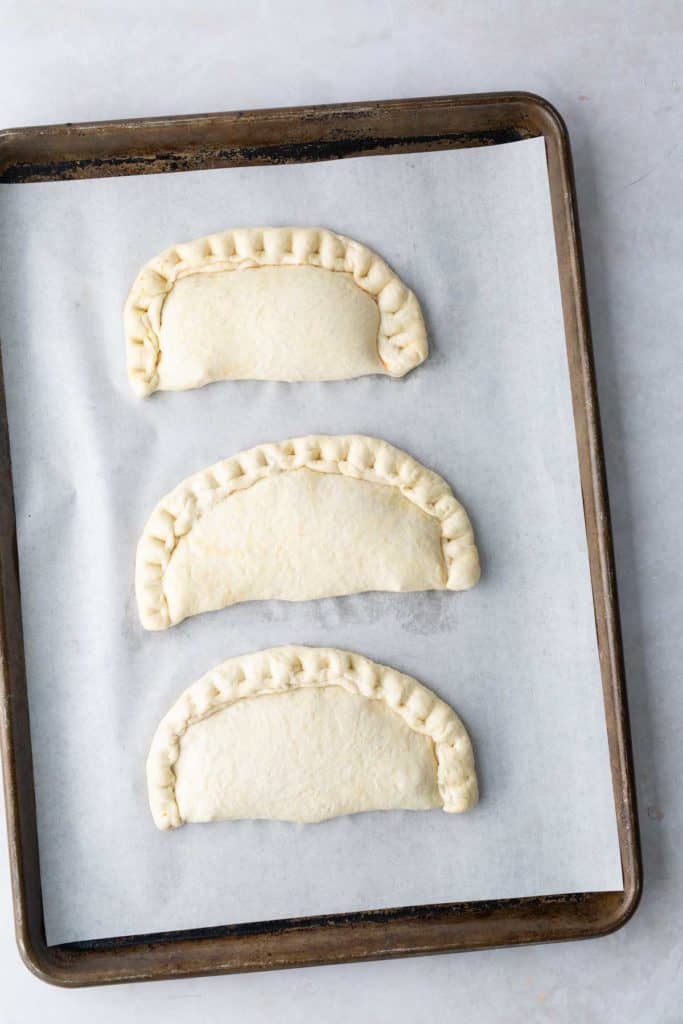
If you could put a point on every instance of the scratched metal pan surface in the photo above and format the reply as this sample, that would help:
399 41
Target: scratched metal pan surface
163 145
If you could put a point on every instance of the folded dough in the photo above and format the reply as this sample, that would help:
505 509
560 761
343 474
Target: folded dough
312 517
269 304
304 734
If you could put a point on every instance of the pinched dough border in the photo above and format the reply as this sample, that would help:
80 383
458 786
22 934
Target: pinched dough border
283 669
401 340
353 455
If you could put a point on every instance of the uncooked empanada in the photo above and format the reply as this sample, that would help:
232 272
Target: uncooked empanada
302 519
305 734
269 304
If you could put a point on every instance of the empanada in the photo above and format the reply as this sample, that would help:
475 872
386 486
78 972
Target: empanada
311 517
287 304
304 734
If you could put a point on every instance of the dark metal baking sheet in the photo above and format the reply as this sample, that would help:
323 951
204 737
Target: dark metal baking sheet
281 136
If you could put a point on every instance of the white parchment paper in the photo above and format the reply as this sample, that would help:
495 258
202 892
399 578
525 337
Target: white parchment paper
470 231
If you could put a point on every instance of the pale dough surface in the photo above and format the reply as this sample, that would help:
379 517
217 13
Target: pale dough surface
304 734
305 755
290 303
301 536
312 517
269 323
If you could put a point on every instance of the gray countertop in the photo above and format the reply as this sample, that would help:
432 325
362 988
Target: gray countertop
615 73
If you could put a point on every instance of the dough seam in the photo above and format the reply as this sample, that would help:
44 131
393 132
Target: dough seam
401 338
284 669
357 456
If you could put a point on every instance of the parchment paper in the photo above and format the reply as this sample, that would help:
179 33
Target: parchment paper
471 232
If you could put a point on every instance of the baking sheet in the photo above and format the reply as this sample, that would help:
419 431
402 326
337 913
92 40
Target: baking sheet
471 232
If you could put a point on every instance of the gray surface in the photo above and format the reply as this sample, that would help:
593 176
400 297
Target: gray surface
615 73
471 230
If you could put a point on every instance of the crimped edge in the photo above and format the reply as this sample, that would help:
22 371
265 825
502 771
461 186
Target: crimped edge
402 337
282 669
354 455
